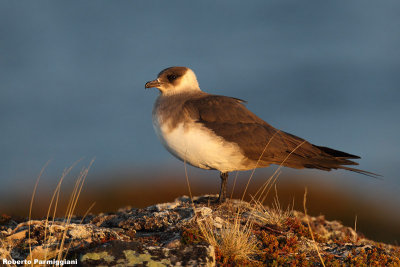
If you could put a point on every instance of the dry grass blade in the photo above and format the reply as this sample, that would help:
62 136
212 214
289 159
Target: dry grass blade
187 181
268 185
83 217
59 252
87 211
309 228
234 184
30 207
55 198
355 224
258 161
71 208
274 215
273 180
233 240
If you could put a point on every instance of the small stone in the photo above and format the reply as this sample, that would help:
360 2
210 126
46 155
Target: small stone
218 222
204 211
173 244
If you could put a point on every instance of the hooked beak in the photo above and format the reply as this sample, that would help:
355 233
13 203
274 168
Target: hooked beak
152 84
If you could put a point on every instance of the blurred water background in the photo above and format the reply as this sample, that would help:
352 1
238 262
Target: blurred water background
72 77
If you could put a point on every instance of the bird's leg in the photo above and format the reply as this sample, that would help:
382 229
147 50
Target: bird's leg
222 192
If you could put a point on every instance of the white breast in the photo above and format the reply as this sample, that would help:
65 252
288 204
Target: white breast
200 147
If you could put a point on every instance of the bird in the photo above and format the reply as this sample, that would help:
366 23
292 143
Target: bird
218 132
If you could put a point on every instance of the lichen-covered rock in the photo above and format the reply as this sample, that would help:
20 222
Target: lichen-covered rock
117 253
169 234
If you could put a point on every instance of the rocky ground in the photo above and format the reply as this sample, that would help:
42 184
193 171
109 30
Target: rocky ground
182 233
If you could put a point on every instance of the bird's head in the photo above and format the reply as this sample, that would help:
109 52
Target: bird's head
175 80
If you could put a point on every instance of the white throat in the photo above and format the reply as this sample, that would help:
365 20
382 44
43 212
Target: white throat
187 83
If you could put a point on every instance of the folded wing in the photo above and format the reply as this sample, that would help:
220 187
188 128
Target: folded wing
230 119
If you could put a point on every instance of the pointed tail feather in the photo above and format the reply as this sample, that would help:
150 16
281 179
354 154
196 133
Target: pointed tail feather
336 153
370 174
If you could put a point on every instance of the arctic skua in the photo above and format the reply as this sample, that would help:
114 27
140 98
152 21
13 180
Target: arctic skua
219 133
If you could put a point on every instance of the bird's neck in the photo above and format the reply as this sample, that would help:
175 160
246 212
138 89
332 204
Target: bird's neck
173 103
179 96
181 90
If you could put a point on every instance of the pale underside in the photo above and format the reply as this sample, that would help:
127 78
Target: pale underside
202 148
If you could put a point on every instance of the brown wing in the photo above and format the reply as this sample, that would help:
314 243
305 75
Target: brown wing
230 119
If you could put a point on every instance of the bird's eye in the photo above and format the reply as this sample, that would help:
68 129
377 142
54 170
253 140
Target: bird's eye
171 77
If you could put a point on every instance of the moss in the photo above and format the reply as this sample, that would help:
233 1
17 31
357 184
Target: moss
98 256
372 257
191 235
133 258
280 250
